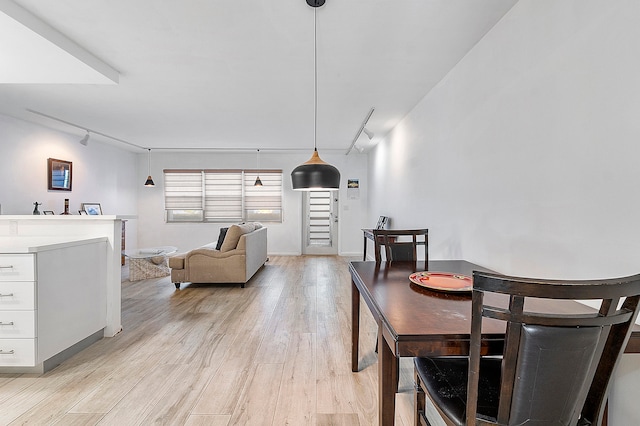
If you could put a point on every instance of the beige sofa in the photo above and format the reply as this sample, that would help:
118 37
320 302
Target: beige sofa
242 253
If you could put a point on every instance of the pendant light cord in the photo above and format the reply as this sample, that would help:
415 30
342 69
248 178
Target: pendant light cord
315 78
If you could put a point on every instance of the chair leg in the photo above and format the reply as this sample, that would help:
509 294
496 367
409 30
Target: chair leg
418 400
177 286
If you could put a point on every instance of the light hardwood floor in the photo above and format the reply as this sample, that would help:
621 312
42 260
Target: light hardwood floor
274 353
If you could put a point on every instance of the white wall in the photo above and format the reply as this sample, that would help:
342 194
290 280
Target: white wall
114 177
284 238
102 173
524 158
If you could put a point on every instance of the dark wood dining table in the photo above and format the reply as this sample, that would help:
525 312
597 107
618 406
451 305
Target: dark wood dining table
414 321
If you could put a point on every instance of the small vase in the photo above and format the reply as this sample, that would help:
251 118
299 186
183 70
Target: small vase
66 206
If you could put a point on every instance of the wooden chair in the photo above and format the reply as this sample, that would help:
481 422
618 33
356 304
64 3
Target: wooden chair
396 245
555 367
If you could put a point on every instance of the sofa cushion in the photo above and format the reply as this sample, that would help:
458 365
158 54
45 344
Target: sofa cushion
233 235
223 233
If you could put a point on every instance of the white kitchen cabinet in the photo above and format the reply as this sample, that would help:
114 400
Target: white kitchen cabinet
52 301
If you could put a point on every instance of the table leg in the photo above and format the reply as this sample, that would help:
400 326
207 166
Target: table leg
387 382
355 326
364 255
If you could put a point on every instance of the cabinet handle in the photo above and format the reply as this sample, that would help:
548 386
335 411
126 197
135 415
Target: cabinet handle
6 295
11 352
6 323
6 267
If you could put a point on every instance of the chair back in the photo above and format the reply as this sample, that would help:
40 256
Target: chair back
401 244
556 367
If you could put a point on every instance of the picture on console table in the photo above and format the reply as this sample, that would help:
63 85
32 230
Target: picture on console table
92 208
59 174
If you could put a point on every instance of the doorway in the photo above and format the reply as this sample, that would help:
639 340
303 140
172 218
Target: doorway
320 222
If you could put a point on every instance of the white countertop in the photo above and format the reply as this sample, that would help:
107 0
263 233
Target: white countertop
36 244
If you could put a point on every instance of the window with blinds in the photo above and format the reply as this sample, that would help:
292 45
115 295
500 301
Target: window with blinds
222 195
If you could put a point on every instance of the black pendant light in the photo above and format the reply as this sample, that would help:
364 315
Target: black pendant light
315 174
149 181
258 182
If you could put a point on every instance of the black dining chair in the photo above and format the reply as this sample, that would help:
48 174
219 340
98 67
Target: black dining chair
555 368
401 244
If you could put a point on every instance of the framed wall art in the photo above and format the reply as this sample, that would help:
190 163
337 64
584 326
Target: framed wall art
59 173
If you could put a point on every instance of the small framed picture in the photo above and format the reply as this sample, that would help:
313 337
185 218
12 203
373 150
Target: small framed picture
92 208
48 212
59 174
82 212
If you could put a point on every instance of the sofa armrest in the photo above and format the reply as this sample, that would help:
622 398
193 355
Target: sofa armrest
177 261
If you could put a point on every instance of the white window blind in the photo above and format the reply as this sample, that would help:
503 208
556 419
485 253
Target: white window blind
183 196
263 203
319 218
222 195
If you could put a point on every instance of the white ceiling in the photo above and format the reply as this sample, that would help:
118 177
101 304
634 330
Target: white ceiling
232 74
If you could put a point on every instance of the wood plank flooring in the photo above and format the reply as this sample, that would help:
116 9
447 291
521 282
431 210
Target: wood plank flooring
276 352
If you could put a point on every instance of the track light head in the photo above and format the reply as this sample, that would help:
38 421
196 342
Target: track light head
85 139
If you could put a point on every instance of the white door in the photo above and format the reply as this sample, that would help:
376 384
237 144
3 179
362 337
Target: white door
320 222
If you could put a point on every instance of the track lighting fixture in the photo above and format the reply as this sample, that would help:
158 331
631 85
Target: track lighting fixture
85 139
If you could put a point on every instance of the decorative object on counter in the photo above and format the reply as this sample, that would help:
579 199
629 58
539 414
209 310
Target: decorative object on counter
92 208
81 212
382 222
66 206
35 208
59 174
149 181
48 212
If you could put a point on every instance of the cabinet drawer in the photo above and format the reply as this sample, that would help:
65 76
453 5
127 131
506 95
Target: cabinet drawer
17 324
17 296
16 267
17 352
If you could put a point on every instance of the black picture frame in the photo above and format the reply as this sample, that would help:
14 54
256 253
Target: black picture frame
59 174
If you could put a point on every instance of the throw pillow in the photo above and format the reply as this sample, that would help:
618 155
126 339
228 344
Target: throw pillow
233 236
223 233
231 239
